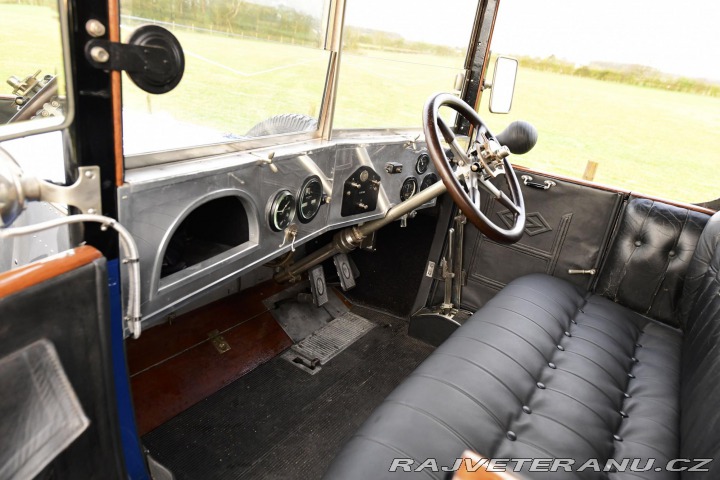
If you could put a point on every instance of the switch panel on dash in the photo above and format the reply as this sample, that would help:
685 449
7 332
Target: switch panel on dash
393 167
360 193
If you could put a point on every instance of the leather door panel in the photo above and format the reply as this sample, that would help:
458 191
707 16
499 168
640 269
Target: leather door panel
568 227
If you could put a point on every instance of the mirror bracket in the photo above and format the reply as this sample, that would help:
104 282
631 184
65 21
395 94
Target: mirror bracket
152 58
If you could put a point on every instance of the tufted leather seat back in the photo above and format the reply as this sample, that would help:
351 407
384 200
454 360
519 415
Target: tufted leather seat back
649 257
700 366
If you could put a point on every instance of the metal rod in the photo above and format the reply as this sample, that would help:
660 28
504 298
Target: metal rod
448 271
404 208
128 246
458 270
350 238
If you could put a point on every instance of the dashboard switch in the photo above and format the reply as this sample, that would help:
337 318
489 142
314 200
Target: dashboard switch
393 167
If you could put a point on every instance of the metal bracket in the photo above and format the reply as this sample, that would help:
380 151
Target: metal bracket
107 55
84 194
218 341
152 57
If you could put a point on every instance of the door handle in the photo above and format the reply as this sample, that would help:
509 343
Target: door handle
546 185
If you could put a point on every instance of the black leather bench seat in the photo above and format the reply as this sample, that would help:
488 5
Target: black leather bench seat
543 370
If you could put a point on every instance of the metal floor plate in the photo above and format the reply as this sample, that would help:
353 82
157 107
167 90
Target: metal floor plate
320 347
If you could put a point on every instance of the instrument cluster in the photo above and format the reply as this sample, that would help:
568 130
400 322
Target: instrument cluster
305 204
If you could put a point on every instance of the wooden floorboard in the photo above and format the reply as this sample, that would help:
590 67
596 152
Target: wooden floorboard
175 365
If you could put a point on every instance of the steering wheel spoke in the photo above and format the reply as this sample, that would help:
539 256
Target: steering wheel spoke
483 160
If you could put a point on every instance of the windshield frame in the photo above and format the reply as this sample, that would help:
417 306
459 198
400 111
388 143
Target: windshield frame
474 67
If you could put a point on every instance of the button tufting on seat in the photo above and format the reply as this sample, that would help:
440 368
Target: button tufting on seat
671 253
575 321
638 243
634 360
637 345
567 334
561 348
466 393
631 375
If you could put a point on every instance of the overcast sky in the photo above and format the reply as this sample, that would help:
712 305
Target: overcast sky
681 37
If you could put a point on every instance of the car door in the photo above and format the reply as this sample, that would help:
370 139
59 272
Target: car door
569 224
65 408
58 409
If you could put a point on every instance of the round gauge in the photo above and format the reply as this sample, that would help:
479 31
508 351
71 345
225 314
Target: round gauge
430 179
422 163
408 189
282 210
309 199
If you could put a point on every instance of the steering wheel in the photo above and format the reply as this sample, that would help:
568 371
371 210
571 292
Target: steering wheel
473 168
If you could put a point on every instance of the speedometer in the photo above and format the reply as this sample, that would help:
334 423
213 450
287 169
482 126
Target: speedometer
282 210
310 199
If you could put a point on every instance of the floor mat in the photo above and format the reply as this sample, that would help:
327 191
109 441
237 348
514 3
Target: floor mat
278 422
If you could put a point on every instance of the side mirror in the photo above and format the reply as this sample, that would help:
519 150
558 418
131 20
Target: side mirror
503 84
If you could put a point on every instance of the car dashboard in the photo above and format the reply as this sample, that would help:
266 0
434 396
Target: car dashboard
202 223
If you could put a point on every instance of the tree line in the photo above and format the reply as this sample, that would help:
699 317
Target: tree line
629 74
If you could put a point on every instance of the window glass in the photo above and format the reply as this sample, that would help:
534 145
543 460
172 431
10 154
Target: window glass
631 86
396 53
245 62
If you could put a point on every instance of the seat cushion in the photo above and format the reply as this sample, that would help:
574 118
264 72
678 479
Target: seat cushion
543 370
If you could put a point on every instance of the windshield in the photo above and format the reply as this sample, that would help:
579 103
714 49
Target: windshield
245 63
395 55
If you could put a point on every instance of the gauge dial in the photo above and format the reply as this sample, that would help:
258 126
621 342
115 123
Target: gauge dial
282 210
430 179
422 163
408 189
310 199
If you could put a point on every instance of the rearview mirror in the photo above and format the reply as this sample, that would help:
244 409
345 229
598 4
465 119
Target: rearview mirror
503 84
34 66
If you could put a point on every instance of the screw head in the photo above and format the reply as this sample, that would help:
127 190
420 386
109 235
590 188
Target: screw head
95 28
99 54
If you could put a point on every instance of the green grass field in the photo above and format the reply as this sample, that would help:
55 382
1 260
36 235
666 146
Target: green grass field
651 141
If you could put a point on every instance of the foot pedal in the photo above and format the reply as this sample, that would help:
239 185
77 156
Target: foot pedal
344 270
318 287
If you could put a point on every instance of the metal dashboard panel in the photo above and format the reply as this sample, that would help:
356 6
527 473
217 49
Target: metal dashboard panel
156 200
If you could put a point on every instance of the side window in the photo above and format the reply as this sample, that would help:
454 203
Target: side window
629 89
252 69
395 55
